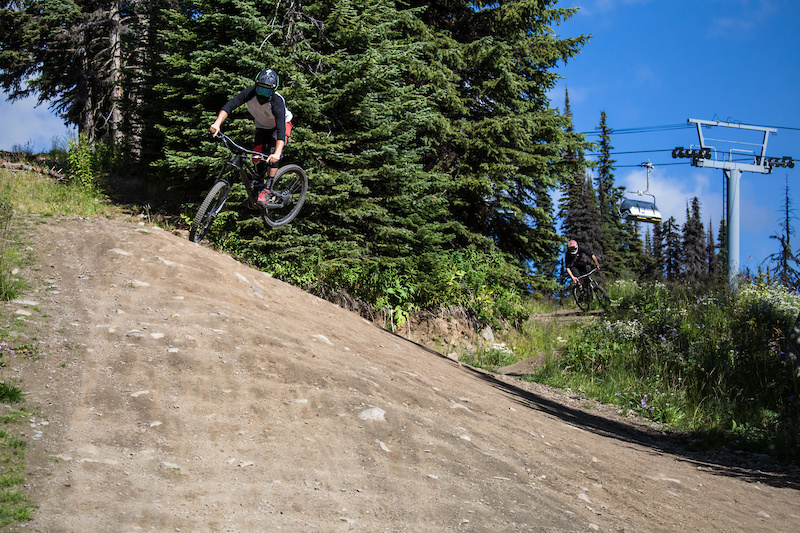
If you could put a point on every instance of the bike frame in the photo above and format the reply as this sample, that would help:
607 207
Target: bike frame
591 291
241 161
588 276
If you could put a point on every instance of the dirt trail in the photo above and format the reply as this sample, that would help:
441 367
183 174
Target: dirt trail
179 390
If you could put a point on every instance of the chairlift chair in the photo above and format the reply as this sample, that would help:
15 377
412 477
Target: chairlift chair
639 209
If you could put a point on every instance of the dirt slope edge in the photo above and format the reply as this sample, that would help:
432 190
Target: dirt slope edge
178 390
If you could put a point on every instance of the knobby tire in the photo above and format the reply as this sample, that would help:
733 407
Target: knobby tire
602 297
583 299
209 209
289 186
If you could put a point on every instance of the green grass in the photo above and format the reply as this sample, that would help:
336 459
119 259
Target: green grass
28 192
539 337
705 361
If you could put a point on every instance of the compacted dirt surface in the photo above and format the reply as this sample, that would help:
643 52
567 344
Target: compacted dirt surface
175 389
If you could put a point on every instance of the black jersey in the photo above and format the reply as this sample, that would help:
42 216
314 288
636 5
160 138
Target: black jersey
580 260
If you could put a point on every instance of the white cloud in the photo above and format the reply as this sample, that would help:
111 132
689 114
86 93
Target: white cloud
750 16
26 125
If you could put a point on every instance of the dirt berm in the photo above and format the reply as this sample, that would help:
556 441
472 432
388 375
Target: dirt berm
176 389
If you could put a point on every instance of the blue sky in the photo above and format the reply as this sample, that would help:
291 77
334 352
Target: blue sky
28 126
653 63
650 63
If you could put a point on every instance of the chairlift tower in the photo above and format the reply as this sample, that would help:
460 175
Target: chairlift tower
753 159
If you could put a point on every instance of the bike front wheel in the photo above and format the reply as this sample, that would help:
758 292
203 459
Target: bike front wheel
582 298
602 297
209 209
288 193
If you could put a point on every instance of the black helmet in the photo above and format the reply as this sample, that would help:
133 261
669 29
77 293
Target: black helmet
266 82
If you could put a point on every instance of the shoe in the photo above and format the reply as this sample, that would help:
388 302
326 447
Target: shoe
263 197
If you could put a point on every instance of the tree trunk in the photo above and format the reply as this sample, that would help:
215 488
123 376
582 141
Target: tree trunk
115 74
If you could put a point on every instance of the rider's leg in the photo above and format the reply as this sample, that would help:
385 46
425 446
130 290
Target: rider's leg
265 143
273 140
583 281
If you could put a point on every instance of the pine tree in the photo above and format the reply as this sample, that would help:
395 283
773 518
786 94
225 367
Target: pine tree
573 202
67 53
648 262
586 218
722 246
672 250
658 266
785 260
636 259
619 245
695 260
503 144
143 47
711 254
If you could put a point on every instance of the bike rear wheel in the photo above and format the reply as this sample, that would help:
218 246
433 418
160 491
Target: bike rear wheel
288 193
209 209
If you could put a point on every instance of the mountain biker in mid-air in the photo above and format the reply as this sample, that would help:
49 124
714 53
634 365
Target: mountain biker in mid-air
577 259
273 122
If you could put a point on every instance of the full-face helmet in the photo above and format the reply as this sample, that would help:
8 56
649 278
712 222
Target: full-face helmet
572 247
267 82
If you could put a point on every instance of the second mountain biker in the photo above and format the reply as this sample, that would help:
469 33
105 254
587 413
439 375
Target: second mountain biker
576 261
273 120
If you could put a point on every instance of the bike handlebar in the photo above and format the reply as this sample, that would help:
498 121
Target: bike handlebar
227 141
589 273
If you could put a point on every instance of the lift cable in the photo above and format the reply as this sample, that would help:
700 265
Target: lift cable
666 127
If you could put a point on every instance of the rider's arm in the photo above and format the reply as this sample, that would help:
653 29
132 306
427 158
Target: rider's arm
594 258
215 127
229 106
279 112
571 275
274 157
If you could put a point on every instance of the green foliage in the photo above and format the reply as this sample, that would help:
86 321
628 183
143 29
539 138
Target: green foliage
10 392
495 356
711 361
88 162
9 284
14 505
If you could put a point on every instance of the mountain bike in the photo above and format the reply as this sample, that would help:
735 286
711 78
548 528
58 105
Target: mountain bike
591 291
287 188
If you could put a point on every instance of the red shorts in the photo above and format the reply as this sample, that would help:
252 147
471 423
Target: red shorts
267 139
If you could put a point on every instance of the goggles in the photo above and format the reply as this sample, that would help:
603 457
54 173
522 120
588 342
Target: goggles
264 90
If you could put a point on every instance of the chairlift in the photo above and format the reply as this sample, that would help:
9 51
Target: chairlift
641 210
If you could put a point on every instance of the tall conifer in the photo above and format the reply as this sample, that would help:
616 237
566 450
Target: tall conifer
711 255
673 251
695 259
66 53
